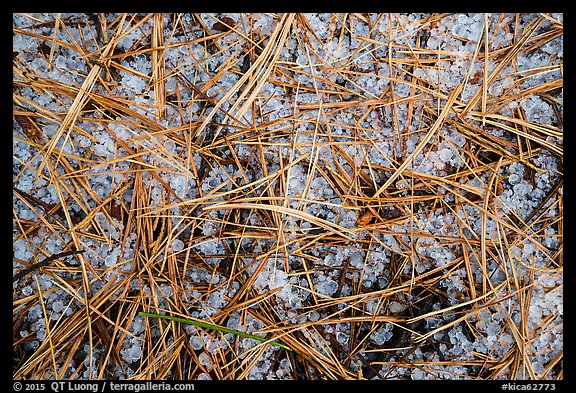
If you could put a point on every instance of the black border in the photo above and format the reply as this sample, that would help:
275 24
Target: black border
311 6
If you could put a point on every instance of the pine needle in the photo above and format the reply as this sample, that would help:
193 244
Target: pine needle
213 327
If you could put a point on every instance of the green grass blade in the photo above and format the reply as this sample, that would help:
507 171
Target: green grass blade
214 327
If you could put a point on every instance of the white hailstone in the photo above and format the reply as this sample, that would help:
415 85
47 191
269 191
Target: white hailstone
314 316
135 352
177 245
111 260
522 189
57 306
446 155
196 342
327 287
170 146
514 178
417 374
204 359
277 279
382 335
529 248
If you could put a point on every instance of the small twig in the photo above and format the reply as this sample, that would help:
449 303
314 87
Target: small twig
43 263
